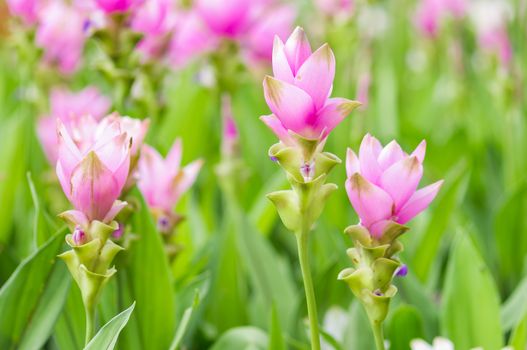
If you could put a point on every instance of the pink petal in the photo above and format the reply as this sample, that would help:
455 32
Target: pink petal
352 163
390 155
418 202
151 169
370 202
190 173
174 155
114 152
297 49
115 209
420 151
281 68
69 154
290 104
75 217
276 126
335 110
94 189
316 75
401 180
64 180
370 149
47 135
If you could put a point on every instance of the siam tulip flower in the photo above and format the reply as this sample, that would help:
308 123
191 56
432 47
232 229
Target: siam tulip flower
382 184
298 94
116 6
61 35
135 128
68 106
334 7
430 14
27 10
227 18
162 182
93 172
271 21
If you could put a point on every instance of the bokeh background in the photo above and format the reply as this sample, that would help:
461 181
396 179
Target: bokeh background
450 72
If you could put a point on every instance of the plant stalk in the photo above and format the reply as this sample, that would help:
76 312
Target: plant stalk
90 322
378 335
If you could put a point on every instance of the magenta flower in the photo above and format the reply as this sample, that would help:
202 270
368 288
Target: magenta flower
113 6
27 10
497 41
93 175
231 135
162 181
298 94
225 17
61 35
430 14
382 184
68 106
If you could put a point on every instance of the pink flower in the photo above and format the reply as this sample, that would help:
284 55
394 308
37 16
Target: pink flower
334 7
92 173
225 17
430 14
191 38
298 94
136 129
382 184
230 130
497 41
269 21
27 10
68 106
113 6
61 35
162 181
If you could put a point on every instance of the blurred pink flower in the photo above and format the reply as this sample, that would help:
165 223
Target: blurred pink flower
269 21
162 181
430 14
230 130
112 6
92 173
496 40
382 184
363 89
27 10
334 7
61 34
298 94
225 17
135 128
68 106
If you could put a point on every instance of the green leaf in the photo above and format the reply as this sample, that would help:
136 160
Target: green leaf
449 198
107 336
515 308
184 323
518 339
471 305
242 338
146 279
43 226
33 297
405 324
276 338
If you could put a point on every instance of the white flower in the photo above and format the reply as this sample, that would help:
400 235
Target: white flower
439 344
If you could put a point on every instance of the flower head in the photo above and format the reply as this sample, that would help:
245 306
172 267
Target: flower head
162 181
334 7
61 35
27 10
225 17
298 94
382 184
92 168
115 6
430 14
68 106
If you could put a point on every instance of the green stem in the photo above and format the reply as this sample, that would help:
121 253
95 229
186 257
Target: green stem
378 335
90 322
302 240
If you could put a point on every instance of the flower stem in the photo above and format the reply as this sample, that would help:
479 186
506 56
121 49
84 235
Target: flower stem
90 322
378 335
302 240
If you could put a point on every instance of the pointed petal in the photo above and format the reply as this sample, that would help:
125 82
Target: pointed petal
400 180
352 163
114 210
188 177
69 154
278 129
297 49
281 67
370 202
370 149
391 154
94 189
316 75
173 159
420 151
419 201
47 135
290 104
335 110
